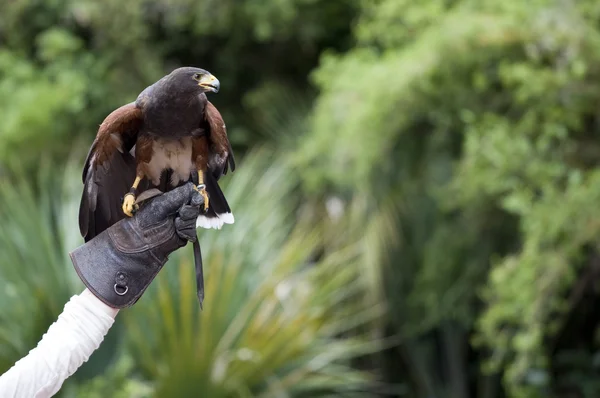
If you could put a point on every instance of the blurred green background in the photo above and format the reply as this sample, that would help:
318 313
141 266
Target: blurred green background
416 197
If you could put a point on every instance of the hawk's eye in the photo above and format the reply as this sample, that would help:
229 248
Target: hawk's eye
197 76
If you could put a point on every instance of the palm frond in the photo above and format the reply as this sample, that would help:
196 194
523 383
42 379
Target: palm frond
275 323
38 230
36 276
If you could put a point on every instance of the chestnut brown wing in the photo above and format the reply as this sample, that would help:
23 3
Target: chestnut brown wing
109 171
221 157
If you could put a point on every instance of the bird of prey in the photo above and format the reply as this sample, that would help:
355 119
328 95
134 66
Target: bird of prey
170 135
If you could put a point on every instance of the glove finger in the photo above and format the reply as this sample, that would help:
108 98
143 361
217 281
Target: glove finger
180 223
168 203
187 235
197 199
189 212
186 229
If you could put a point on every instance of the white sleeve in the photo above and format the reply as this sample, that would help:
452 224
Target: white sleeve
68 343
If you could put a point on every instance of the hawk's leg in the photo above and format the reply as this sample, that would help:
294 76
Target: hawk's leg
143 156
200 153
129 206
202 188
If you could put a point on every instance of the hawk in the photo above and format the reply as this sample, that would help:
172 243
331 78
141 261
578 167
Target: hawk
170 135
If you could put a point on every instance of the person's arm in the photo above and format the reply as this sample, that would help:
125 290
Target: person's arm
116 267
69 342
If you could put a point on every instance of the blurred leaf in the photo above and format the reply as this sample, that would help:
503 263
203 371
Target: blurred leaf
274 323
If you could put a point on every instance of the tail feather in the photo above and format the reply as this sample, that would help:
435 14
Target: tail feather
218 212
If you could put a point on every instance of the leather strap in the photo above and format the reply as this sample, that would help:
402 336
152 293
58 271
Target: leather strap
199 271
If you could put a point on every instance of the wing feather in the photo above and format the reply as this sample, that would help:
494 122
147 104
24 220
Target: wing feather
109 170
221 154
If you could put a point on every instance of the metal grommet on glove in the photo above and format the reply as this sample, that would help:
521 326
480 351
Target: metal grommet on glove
120 286
121 293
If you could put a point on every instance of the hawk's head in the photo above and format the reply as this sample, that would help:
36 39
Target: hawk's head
193 80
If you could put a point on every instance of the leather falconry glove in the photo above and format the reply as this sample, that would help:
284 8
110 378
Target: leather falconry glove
120 263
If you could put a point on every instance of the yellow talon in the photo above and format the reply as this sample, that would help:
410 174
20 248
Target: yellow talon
204 194
129 205
202 188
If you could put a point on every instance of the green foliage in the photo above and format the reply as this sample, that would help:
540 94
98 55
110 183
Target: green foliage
476 120
275 322
36 278
447 166
38 105
64 64
115 382
271 317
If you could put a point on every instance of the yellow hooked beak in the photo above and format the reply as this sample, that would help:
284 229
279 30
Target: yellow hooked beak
210 83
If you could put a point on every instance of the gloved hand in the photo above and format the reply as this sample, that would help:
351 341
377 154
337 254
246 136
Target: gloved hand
121 262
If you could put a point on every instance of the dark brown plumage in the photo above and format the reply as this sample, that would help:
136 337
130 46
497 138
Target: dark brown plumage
170 135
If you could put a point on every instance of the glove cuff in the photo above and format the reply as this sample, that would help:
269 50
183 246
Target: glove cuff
117 278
